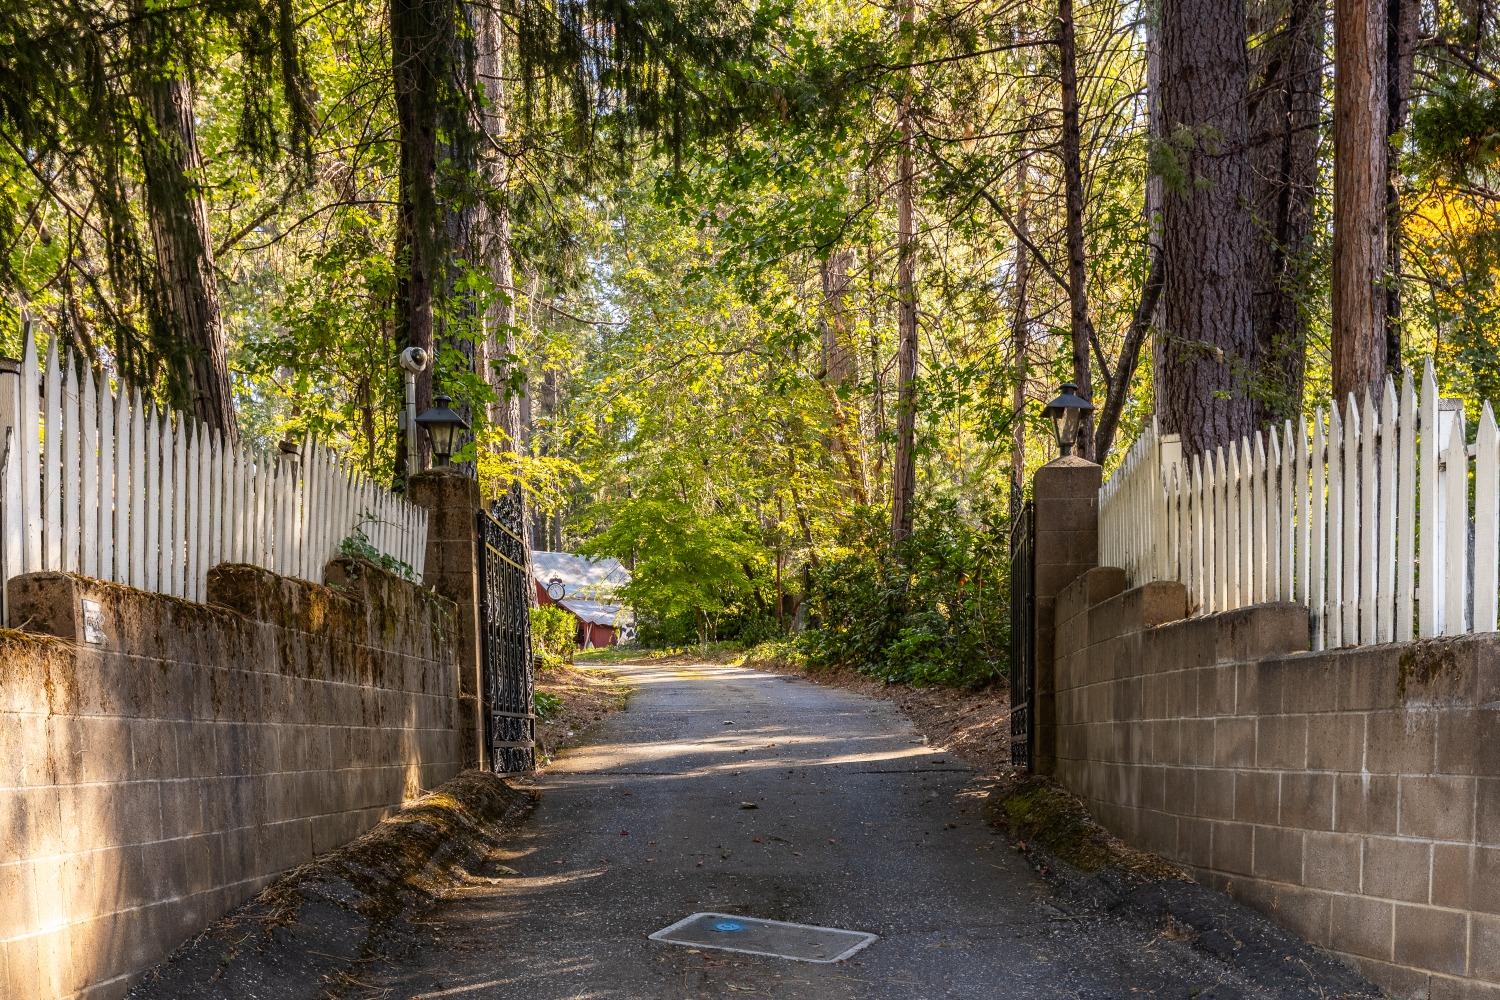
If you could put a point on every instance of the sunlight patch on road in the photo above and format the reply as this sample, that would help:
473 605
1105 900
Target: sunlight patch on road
770 749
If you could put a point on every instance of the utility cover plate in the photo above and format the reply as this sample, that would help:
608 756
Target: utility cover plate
772 938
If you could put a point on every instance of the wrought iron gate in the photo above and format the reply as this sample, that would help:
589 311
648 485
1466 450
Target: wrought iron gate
505 637
1022 637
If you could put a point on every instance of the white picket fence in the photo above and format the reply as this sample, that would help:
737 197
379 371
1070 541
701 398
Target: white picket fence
100 482
1379 517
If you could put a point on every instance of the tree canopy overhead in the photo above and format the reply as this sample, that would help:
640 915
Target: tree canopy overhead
763 298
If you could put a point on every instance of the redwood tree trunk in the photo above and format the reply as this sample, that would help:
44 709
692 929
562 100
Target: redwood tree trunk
1285 109
459 322
1020 343
187 307
1359 197
1078 306
904 475
499 345
417 218
434 47
550 535
1205 339
1155 190
841 371
1401 44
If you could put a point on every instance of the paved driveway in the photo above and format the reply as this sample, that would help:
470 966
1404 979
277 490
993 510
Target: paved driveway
856 823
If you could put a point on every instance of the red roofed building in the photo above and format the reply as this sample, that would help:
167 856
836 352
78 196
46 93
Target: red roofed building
589 590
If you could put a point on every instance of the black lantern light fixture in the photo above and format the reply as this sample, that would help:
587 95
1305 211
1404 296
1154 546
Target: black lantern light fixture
444 429
1066 413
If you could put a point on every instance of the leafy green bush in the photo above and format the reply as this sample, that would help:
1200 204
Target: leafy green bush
547 705
552 632
784 650
935 610
696 571
358 546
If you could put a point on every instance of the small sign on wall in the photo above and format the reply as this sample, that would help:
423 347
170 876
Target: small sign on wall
93 623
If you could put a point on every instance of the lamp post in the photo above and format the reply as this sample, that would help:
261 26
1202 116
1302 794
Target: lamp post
444 429
1066 413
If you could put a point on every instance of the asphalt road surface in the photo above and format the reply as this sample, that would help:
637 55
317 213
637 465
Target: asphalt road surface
856 823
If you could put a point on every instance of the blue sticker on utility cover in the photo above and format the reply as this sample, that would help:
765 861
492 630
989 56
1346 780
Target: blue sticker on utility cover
729 926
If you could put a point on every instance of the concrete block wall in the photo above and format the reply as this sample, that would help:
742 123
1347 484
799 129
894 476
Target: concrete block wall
160 760
1065 493
1353 794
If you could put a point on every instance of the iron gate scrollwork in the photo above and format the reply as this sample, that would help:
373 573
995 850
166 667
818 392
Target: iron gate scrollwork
1022 637
505 636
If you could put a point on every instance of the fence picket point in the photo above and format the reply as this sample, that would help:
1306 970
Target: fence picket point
1429 579
205 529
88 472
1454 478
1486 521
70 478
1368 527
30 474
1287 591
109 488
1259 516
1406 511
190 502
1318 549
1349 459
1384 550
51 461
173 442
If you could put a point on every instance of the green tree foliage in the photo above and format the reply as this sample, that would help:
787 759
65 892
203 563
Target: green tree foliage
937 613
553 631
74 131
700 289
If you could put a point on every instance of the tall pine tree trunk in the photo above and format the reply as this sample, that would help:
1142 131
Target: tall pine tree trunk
1359 197
1155 191
413 26
1072 166
904 469
1286 98
439 221
1020 343
841 371
550 535
500 340
458 323
1402 24
1206 342
186 311
874 309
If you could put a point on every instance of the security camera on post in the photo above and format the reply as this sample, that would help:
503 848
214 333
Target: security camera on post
413 362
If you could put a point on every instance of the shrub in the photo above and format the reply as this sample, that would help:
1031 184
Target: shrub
552 632
358 546
934 610
547 705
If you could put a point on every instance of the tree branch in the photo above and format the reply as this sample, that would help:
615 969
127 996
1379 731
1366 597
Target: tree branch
1130 351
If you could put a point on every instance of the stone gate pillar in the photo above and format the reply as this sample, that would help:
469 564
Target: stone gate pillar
1065 497
453 502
